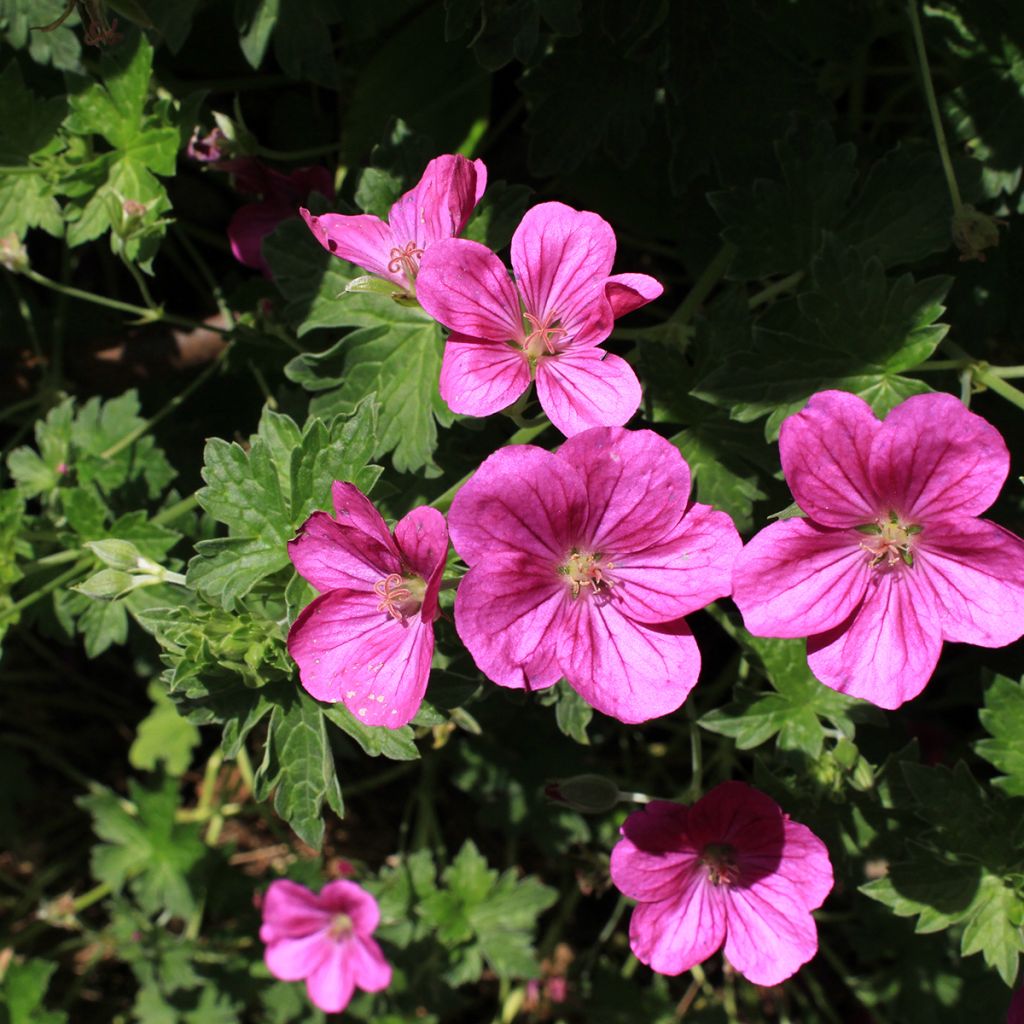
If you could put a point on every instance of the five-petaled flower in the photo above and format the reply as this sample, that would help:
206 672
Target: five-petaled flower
891 559
548 325
325 939
732 868
583 563
368 639
437 208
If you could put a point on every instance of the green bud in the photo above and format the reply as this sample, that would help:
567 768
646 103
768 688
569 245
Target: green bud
13 254
863 777
588 794
116 554
107 585
845 753
368 283
974 232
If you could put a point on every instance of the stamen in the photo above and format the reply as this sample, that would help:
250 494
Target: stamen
543 334
392 591
406 261
889 541
587 571
720 860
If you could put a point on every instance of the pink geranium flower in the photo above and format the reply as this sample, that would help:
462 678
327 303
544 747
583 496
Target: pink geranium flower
438 207
548 325
1016 1012
368 639
324 939
583 563
891 559
732 868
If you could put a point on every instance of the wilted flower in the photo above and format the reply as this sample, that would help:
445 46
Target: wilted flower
891 559
731 869
583 563
324 939
368 639
547 325
438 207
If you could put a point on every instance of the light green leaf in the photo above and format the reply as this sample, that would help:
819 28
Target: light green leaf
23 990
1003 717
163 736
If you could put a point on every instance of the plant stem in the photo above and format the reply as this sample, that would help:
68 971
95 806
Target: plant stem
775 288
986 375
703 286
47 588
175 511
933 108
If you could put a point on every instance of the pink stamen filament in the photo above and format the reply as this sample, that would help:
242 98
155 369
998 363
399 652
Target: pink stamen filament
587 571
544 335
889 541
393 592
405 261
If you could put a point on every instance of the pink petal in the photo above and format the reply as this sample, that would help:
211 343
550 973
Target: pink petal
509 612
625 669
588 387
886 652
976 572
464 286
771 934
934 460
672 935
248 227
522 498
304 180
422 537
290 910
294 959
481 181
349 651
626 292
805 864
682 574
637 487
353 508
371 971
825 450
363 240
654 859
1015 1015
561 259
330 555
440 203
344 897
482 377
331 984
796 579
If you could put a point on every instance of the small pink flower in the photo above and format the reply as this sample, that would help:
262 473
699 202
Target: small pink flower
732 868
891 559
438 207
583 563
368 639
324 939
1016 1012
207 149
547 325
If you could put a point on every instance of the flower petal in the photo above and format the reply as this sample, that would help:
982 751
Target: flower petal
482 377
522 498
294 959
290 910
422 538
371 971
935 460
626 292
353 508
248 226
331 984
464 286
330 555
509 612
672 935
976 571
741 816
825 450
681 574
637 487
347 650
344 897
887 650
363 240
440 203
805 864
625 669
588 387
796 579
561 258
654 858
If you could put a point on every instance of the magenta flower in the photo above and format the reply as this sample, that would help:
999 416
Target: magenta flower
438 207
1016 1011
548 325
325 940
732 868
368 639
891 559
582 564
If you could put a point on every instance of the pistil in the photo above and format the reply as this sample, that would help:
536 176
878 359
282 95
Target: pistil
720 861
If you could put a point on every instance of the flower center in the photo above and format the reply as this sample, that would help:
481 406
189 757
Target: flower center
340 927
542 336
406 261
583 571
720 861
400 596
889 541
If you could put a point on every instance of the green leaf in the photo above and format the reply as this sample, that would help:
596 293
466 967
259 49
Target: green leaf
394 744
255 20
143 848
59 47
22 992
1003 717
163 736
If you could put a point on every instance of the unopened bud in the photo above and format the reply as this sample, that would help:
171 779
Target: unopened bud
107 585
974 232
588 794
116 554
13 255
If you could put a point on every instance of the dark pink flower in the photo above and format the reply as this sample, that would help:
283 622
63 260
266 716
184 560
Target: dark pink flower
1016 1012
891 559
210 148
438 207
732 868
548 325
368 639
324 939
280 196
582 564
